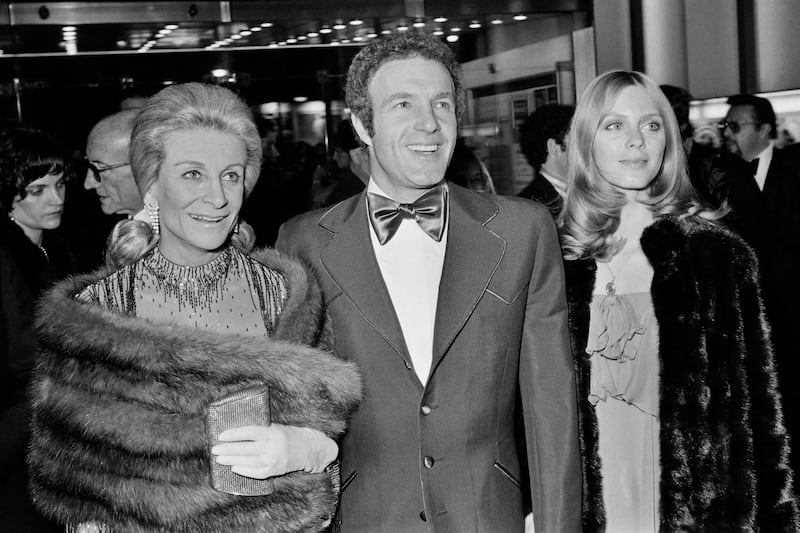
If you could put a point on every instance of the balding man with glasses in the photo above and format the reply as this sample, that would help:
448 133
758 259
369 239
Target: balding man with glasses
764 196
108 167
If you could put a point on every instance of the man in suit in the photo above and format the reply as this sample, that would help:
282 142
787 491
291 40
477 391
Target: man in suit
449 301
542 138
764 195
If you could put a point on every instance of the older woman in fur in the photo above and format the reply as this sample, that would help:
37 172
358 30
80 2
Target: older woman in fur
680 419
132 359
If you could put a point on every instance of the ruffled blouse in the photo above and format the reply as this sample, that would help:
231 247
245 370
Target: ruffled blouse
623 350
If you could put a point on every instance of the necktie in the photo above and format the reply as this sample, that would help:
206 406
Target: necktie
428 211
753 166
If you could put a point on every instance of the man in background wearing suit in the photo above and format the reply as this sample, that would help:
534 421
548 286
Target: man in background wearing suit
543 140
450 301
764 196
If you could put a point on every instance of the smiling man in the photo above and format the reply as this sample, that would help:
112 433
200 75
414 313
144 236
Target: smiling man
451 303
109 171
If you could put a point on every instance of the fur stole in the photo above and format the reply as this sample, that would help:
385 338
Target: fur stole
724 449
120 402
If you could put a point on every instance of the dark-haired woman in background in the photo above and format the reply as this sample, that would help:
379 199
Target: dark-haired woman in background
31 259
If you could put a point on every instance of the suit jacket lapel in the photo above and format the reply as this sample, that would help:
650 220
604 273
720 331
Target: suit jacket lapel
362 284
473 254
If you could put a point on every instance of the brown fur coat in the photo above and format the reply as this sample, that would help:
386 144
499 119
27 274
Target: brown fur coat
119 406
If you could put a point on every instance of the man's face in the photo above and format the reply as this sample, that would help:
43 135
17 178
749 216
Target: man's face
117 189
414 116
751 138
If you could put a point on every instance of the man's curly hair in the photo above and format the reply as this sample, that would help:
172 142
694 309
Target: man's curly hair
406 45
550 121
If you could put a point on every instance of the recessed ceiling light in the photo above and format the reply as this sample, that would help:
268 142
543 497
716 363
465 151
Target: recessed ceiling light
266 24
281 43
497 21
122 44
358 38
291 40
455 29
171 26
301 37
356 22
325 30
220 72
474 24
70 37
419 24
339 26
236 37
272 45
68 28
245 33
440 19
313 34
520 17
255 28
438 32
386 32
334 43
452 38
372 35
301 99
402 28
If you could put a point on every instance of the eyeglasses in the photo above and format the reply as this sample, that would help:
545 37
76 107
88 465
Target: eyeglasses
735 127
98 172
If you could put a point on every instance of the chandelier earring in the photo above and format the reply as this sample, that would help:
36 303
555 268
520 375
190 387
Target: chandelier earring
151 206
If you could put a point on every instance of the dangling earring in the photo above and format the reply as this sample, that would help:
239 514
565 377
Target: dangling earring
151 206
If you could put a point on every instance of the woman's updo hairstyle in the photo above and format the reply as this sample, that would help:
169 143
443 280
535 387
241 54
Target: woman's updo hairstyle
182 107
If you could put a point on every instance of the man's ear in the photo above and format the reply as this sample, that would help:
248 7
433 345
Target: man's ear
553 147
361 131
766 130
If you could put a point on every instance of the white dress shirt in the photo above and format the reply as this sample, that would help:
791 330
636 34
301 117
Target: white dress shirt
764 161
558 185
411 264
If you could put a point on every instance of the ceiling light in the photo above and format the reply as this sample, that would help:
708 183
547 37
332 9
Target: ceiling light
313 34
245 33
171 26
301 37
452 38
402 28
272 45
386 32
497 21
70 37
372 35
255 28
438 32
281 43
440 19
300 99
325 30
356 22
220 72
339 26
235 37
474 24
358 38
122 43
334 43
266 24
291 40
419 24
520 17
455 29
68 28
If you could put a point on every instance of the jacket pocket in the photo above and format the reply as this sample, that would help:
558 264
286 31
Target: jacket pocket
507 473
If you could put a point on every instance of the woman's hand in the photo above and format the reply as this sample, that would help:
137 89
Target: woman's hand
264 451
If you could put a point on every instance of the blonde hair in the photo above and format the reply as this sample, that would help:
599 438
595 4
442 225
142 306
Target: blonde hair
592 206
180 107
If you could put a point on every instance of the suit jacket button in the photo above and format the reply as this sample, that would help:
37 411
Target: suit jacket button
428 461
426 410
422 516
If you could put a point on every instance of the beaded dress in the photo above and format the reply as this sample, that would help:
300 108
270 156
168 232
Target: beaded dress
231 294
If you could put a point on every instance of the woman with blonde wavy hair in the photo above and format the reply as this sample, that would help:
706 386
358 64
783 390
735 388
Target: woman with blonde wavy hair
681 425
147 371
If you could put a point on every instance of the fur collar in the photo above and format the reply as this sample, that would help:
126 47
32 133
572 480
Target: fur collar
119 407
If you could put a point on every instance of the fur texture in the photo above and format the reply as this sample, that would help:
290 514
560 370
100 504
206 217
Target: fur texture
120 404
724 450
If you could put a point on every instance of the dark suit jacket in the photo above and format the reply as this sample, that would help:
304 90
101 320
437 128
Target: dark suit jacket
769 221
442 457
542 191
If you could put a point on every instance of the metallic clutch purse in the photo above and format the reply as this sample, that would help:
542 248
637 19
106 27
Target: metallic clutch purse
245 407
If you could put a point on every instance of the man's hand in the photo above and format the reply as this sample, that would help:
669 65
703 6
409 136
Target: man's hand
264 451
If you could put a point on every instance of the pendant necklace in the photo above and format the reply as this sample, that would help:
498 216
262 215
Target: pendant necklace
611 287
